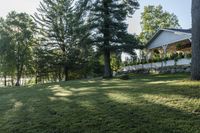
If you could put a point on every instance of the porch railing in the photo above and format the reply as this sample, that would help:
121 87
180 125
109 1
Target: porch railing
180 62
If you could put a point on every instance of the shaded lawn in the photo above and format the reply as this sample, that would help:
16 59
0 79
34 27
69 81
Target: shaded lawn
144 104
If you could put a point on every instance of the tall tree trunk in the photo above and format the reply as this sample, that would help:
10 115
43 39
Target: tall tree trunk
66 71
59 74
36 79
18 80
12 80
5 80
19 74
195 40
107 67
106 32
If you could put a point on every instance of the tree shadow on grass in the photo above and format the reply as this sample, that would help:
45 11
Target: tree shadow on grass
120 106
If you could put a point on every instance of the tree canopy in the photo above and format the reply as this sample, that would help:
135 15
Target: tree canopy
17 38
66 39
155 18
62 30
108 29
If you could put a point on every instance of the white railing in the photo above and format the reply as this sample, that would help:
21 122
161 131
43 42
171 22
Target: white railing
180 62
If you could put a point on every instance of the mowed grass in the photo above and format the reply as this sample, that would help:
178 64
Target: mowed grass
143 104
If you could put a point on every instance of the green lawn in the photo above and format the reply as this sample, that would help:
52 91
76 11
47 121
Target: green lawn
143 104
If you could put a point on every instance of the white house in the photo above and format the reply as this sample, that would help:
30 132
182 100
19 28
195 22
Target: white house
168 40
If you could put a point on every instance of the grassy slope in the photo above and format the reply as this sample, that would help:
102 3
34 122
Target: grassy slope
156 103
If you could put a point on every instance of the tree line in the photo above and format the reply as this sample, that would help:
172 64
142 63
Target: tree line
72 39
66 39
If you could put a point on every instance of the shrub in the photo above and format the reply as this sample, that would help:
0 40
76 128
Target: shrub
166 59
150 61
180 55
144 62
173 56
188 55
178 46
124 77
176 59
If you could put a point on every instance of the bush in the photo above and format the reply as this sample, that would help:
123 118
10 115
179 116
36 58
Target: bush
150 61
144 62
166 59
174 56
189 55
124 77
180 55
178 46
157 58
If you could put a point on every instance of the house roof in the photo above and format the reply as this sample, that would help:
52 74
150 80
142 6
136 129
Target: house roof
181 30
171 30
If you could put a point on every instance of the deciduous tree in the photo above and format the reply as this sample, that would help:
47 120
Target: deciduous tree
18 36
155 18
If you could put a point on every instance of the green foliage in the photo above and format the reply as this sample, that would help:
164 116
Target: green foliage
108 30
155 18
115 61
124 77
180 46
188 55
64 35
6 53
66 39
17 40
157 58
181 55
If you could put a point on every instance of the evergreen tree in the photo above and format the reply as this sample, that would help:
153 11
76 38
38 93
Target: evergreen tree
60 23
109 29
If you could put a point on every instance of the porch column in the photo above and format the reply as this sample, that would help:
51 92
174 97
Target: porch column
165 52
165 49
149 54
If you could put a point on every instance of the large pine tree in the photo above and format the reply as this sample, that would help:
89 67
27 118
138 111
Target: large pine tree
61 25
107 19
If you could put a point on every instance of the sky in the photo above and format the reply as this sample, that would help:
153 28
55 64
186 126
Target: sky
181 8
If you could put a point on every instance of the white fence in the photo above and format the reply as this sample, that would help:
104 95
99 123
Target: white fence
180 62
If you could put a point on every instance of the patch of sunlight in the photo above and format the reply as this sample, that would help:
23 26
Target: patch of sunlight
59 91
162 82
87 92
91 81
88 105
186 82
174 101
17 105
116 87
31 109
11 112
82 89
58 98
12 100
119 97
